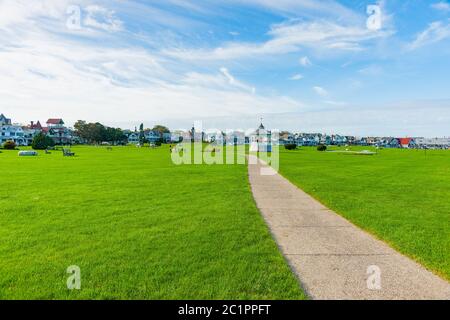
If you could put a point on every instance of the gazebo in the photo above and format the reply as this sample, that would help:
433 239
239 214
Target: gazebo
261 140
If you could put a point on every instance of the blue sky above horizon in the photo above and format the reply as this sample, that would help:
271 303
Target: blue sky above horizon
303 65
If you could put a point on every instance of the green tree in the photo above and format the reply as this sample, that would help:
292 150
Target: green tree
141 134
97 132
81 129
42 142
161 129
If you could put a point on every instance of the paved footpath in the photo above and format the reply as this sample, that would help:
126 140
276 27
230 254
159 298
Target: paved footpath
333 258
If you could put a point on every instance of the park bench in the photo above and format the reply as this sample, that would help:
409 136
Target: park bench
68 153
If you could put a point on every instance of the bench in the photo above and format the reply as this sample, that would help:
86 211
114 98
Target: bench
68 153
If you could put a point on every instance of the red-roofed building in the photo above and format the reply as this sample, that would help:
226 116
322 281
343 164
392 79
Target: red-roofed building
31 131
405 142
55 122
35 126
57 131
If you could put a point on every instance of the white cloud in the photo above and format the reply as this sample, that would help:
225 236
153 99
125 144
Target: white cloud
442 6
296 77
203 80
305 62
335 103
45 75
372 70
436 31
287 38
306 7
26 12
101 18
320 91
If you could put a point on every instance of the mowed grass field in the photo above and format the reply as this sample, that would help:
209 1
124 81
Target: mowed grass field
138 226
401 196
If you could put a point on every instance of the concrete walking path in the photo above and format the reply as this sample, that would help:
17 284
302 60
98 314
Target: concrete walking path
333 258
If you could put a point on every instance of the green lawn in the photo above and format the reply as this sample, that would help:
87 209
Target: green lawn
401 196
138 226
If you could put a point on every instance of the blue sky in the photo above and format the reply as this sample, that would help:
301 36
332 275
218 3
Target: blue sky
303 65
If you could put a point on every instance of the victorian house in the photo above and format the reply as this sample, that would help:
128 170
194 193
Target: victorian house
58 131
11 132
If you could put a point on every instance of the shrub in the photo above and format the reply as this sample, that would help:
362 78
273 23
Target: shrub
9 145
321 147
42 142
158 143
290 146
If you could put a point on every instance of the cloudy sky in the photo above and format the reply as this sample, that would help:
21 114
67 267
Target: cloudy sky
303 65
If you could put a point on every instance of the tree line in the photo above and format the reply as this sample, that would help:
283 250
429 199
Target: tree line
97 132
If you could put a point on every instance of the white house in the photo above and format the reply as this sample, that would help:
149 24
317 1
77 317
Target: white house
152 136
133 138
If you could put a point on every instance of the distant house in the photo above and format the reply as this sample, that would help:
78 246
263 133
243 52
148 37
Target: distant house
433 143
133 138
405 143
11 132
31 131
287 138
325 140
152 136
14 133
57 131
338 140
393 143
371 141
4 121
308 139
350 139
